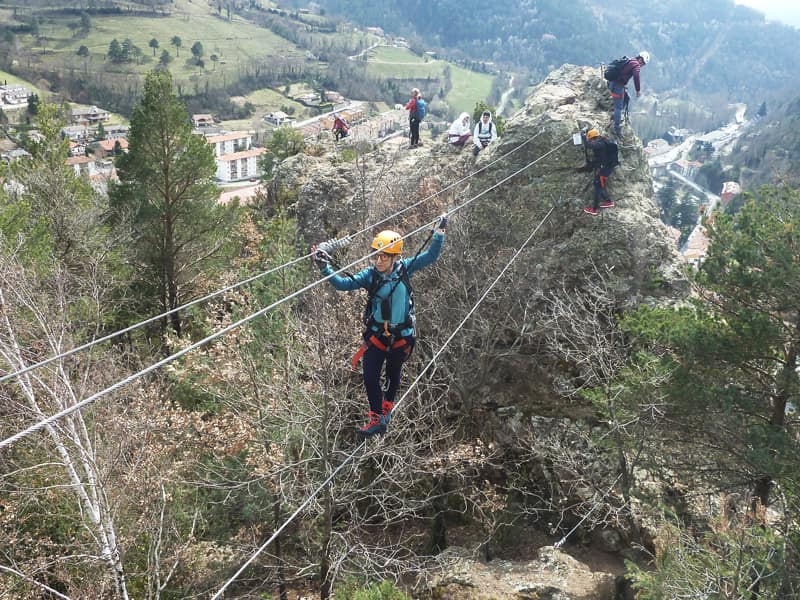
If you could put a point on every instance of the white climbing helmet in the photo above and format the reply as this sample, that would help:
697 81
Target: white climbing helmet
645 56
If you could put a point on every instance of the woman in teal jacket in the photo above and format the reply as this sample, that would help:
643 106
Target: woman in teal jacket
389 316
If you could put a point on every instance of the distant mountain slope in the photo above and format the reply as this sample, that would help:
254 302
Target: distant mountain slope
770 151
711 47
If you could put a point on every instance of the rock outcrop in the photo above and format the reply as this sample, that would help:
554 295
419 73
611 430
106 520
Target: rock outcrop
501 374
551 575
334 199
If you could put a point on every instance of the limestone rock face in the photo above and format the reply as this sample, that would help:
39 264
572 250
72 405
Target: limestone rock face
630 239
552 575
525 181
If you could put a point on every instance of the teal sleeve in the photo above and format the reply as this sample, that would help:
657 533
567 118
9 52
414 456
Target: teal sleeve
346 284
428 257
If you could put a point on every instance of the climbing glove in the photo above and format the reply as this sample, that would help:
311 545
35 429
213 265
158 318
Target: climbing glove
441 223
321 259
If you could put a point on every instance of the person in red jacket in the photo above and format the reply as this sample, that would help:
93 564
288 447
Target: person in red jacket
340 127
413 121
617 87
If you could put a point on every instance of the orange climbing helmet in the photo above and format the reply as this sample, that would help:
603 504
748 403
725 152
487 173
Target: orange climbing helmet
388 241
591 134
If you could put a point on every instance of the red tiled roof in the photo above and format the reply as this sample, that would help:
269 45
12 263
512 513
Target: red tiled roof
242 154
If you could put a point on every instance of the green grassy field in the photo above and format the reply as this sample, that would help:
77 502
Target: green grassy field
468 86
268 100
237 43
240 46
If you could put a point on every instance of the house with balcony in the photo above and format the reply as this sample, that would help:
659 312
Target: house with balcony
75 133
239 165
228 143
200 121
89 116
278 118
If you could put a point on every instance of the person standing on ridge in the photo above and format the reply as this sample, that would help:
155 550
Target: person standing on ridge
388 316
605 156
485 133
617 85
416 112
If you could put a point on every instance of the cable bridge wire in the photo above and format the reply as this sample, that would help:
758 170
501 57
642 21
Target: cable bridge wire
397 405
165 361
249 280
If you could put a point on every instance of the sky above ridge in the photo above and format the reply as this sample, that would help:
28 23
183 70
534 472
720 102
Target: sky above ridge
785 11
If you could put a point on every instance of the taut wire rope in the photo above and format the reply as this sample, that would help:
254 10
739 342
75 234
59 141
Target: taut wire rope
167 360
353 454
247 281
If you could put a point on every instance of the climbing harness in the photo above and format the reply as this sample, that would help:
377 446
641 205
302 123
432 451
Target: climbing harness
391 333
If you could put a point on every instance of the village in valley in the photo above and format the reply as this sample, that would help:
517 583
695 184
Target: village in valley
96 136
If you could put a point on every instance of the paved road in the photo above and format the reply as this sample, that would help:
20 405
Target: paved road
506 95
713 199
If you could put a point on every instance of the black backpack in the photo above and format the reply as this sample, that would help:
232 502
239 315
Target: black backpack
613 70
612 153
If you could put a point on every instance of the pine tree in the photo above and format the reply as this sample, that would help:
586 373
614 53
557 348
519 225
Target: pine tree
733 352
167 188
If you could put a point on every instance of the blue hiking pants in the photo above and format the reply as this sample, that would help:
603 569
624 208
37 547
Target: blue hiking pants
373 365
618 95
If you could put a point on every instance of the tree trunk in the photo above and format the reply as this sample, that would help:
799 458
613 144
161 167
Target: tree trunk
276 516
169 272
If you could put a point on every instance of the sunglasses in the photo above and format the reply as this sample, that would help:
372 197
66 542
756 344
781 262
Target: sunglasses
381 256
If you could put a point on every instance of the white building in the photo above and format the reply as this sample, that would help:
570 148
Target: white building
75 133
83 165
228 143
239 165
235 156
278 118
14 95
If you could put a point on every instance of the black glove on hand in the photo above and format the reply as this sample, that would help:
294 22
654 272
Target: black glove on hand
322 259
442 222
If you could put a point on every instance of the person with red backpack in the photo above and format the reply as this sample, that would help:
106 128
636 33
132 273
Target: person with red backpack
341 128
389 317
618 73
605 156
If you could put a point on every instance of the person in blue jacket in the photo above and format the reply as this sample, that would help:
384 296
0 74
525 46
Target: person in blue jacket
389 315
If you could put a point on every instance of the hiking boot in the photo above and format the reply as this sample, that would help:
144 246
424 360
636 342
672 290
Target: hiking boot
388 407
591 211
373 426
607 204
